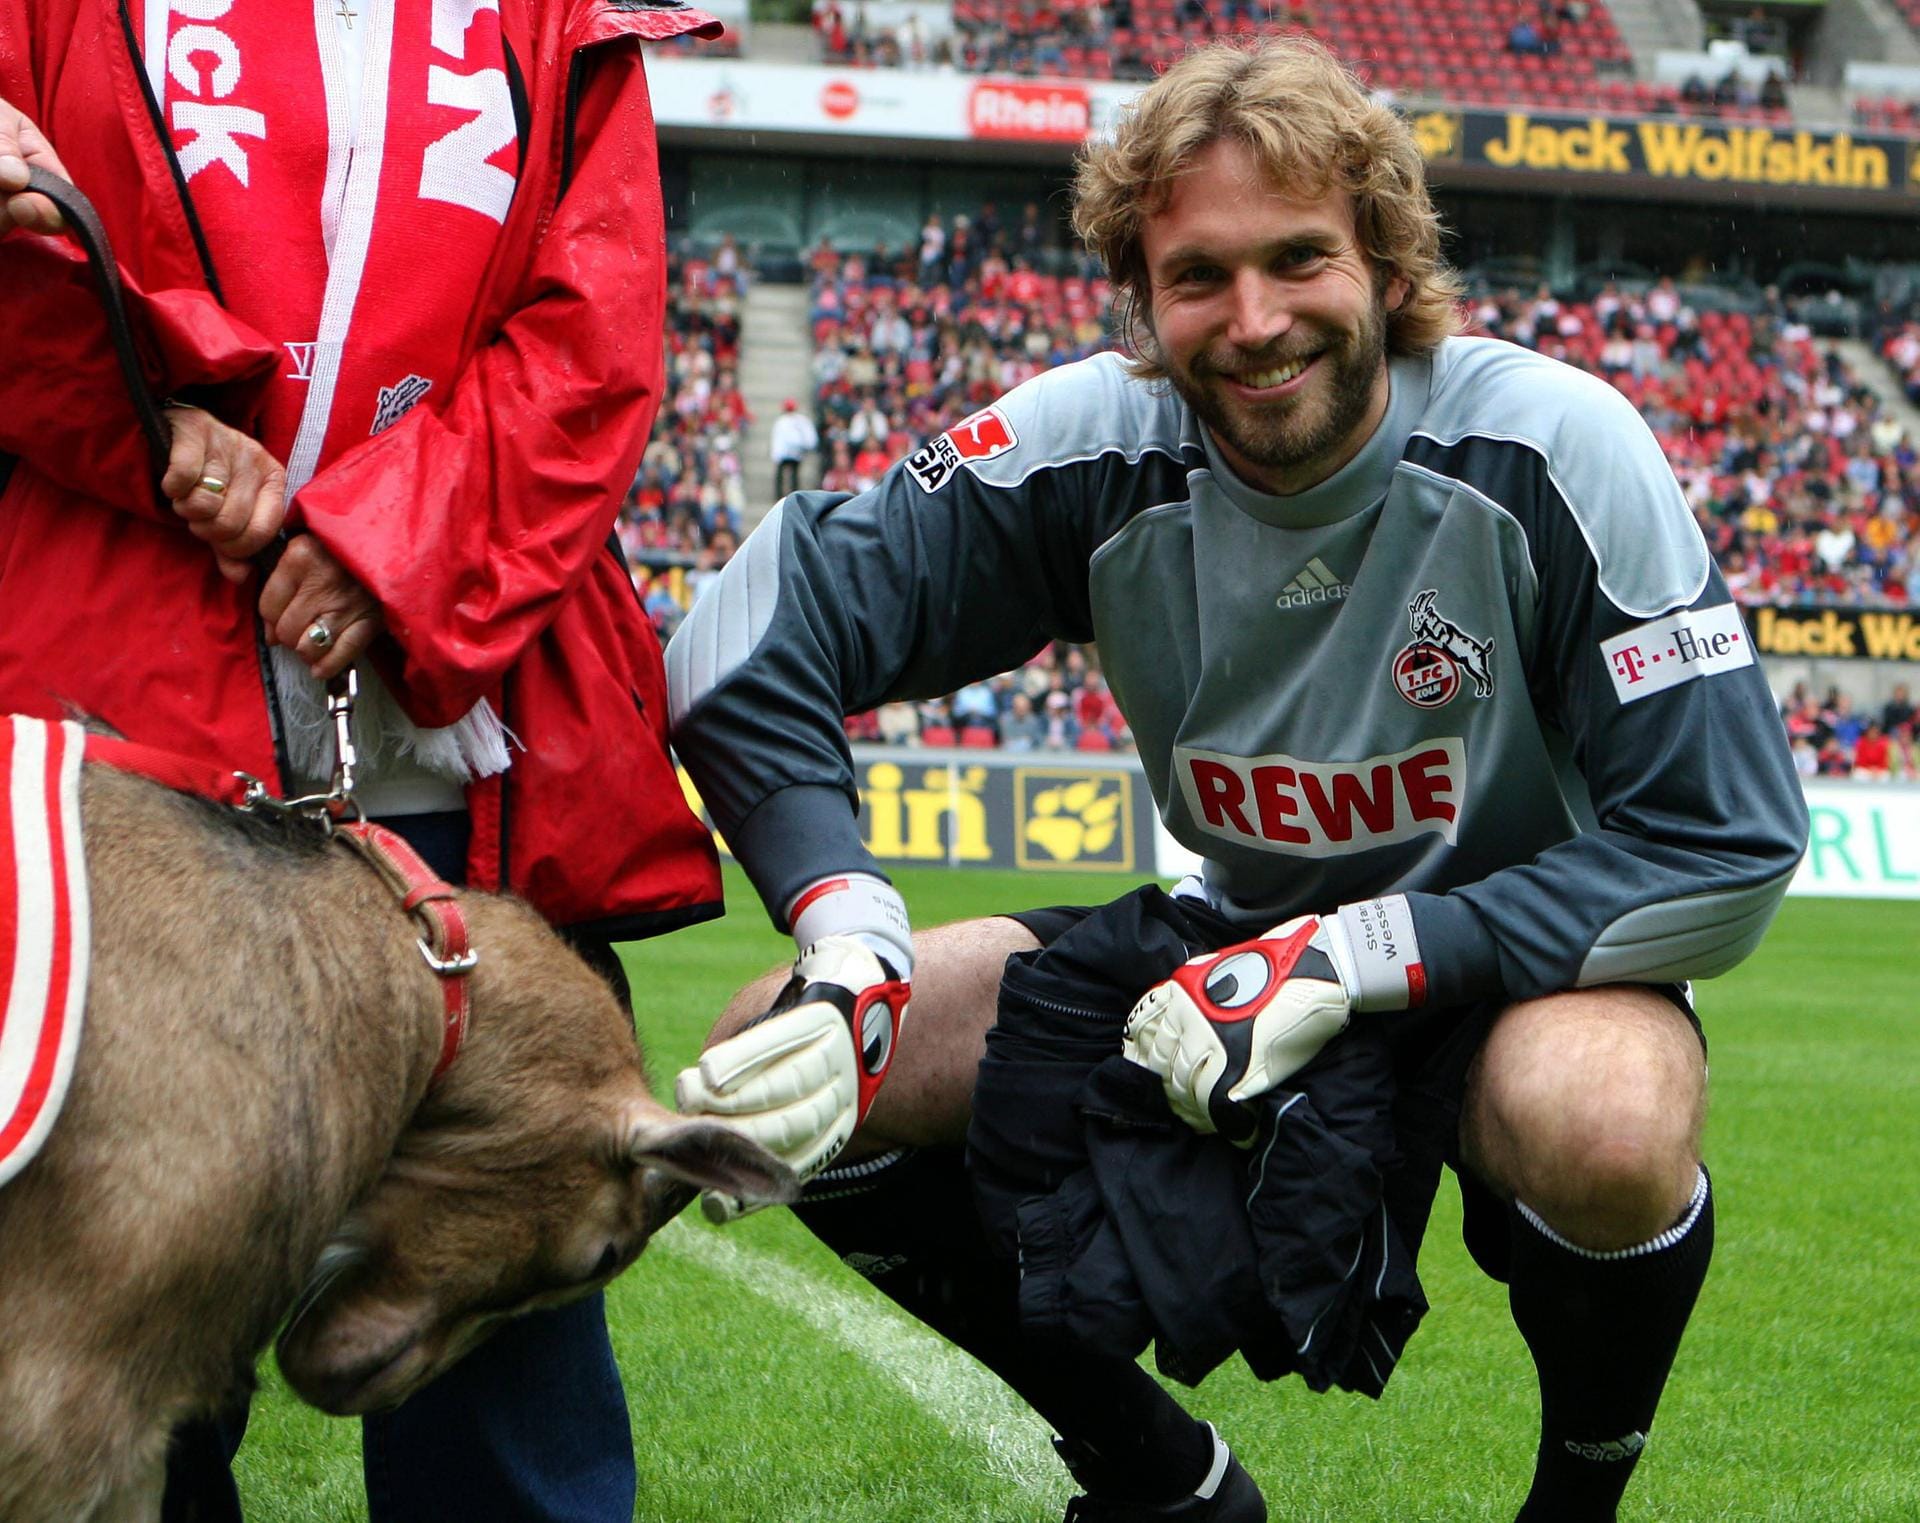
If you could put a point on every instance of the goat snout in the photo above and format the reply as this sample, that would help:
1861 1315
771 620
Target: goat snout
348 1364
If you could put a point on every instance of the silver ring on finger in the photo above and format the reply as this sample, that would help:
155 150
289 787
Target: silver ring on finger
320 635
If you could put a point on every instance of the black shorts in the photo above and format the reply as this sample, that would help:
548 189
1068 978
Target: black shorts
1094 962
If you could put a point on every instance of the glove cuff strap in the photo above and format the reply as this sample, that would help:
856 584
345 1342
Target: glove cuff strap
859 905
1377 951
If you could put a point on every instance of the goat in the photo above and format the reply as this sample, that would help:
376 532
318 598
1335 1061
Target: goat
250 1113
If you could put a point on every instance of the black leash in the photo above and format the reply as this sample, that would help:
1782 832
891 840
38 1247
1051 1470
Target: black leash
92 236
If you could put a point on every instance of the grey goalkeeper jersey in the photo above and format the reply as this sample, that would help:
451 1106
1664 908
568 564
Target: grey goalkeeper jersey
1489 664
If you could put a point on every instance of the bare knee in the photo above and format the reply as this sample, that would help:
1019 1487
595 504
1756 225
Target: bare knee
928 1096
1610 1180
1588 1108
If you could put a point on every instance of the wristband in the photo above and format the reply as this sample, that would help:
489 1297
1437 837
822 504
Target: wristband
1379 954
858 905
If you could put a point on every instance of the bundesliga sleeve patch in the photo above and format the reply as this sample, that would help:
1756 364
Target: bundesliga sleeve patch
980 437
1651 658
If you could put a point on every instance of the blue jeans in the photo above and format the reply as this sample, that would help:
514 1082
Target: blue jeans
531 1427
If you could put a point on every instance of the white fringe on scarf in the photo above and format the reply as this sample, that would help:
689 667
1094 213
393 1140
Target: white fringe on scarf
471 748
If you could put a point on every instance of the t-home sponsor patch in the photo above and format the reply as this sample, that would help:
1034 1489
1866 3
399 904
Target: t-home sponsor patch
1667 652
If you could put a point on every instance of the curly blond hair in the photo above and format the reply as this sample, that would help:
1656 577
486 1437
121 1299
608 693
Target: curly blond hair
1314 129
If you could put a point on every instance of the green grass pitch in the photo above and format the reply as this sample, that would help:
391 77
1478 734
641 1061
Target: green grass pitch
768 1385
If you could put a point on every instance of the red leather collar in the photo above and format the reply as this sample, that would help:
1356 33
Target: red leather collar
431 900
423 894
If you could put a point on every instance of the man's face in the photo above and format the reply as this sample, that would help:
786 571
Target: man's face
1268 320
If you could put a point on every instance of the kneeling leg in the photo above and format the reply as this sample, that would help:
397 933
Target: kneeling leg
1584 1112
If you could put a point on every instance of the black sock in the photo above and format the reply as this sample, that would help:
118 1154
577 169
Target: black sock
907 1223
1603 1329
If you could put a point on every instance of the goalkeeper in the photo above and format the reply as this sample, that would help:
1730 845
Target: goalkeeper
1428 663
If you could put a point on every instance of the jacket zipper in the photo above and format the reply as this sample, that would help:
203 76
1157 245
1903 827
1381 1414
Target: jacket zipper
517 93
1055 1007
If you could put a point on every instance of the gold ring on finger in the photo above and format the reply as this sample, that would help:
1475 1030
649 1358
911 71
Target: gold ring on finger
213 486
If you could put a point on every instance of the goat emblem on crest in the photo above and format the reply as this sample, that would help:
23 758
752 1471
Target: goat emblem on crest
1428 672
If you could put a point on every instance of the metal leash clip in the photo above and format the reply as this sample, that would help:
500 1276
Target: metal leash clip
343 691
338 802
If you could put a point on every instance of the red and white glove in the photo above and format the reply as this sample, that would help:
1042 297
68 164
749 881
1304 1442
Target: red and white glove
800 1077
1232 1025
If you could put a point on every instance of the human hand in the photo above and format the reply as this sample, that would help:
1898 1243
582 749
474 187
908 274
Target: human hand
24 146
801 1077
311 594
226 486
1233 1024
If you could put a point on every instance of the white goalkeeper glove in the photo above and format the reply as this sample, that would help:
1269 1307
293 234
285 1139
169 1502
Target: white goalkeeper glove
1229 1026
799 1078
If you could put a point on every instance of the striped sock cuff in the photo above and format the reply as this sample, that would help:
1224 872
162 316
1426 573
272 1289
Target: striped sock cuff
854 1178
1702 1187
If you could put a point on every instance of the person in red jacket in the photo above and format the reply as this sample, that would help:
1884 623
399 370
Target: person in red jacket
402 274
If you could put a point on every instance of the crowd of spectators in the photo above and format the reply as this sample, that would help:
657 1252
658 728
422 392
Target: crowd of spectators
846 40
1058 701
1887 114
1806 487
1900 347
681 518
1734 94
907 342
1831 738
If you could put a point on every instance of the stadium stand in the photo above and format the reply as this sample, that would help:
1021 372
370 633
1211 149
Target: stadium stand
1548 54
1803 482
1887 114
682 511
906 347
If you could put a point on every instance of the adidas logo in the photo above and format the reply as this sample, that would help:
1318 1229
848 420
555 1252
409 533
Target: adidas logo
872 1265
1609 1449
1312 586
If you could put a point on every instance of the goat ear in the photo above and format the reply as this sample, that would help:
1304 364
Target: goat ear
711 1156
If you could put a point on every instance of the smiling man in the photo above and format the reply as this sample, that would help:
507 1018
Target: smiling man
1429 665
1269 318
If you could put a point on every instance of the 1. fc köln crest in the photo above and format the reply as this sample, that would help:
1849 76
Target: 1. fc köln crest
1430 671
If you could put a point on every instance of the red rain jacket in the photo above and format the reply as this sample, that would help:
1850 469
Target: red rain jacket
480 524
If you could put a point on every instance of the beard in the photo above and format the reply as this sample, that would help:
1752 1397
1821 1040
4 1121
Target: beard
1302 431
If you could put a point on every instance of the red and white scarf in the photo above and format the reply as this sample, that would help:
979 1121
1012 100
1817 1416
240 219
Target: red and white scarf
351 203
44 939
351 163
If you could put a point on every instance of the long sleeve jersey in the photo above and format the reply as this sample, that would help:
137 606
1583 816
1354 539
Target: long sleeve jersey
1488 664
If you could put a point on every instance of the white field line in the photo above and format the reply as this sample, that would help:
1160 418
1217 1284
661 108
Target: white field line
963 1397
